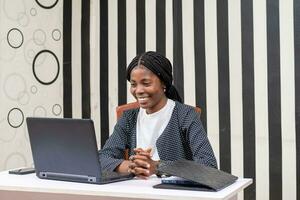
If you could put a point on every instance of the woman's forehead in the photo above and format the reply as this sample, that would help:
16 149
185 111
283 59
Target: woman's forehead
141 69
142 72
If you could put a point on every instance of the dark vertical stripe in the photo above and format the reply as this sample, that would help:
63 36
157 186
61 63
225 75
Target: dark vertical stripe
297 88
161 26
224 95
140 26
122 86
177 44
104 71
200 70
85 58
67 58
248 95
273 56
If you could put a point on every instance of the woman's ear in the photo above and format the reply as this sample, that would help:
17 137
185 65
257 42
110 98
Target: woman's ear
164 87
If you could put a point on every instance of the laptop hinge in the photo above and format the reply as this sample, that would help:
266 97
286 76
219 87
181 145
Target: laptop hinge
70 177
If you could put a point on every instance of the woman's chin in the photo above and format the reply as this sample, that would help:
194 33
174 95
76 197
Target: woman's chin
143 105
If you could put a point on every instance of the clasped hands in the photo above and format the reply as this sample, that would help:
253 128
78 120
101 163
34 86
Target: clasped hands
140 164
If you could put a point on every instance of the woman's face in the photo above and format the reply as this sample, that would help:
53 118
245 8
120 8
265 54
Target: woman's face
147 88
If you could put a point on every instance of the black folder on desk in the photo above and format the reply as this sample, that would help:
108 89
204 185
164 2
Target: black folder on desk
205 178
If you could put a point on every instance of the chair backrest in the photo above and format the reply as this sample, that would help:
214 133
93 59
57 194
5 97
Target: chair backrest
120 109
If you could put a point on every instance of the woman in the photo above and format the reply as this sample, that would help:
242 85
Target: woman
161 130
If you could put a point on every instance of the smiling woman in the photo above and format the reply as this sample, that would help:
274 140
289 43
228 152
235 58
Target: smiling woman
162 130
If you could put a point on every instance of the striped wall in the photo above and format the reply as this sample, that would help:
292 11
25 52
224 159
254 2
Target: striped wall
236 59
233 58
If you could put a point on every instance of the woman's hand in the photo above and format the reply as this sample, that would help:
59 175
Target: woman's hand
142 164
123 167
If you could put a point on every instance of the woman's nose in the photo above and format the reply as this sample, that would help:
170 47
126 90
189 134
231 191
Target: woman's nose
139 89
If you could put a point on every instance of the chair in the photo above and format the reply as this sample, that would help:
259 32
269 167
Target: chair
120 109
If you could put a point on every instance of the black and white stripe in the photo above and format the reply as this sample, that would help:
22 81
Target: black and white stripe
297 88
67 58
85 59
224 87
235 59
274 104
248 95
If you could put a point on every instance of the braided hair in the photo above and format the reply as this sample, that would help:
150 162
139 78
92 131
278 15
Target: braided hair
161 67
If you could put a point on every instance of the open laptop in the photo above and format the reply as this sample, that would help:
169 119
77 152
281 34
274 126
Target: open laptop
66 149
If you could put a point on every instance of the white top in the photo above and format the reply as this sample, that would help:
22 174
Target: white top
150 126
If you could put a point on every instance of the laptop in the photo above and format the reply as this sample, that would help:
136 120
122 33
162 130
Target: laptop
66 150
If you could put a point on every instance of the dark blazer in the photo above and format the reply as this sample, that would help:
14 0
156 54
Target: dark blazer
183 138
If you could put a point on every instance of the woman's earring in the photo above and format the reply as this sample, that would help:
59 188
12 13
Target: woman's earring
164 89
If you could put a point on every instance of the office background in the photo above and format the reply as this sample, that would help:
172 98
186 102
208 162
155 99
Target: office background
236 59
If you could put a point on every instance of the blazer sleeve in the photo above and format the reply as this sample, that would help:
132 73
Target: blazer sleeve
112 154
198 141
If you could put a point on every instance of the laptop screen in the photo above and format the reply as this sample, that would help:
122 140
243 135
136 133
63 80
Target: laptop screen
64 146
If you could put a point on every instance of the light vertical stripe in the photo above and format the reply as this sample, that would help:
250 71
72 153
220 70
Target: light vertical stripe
236 106
112 61
189 53
150 27
95 63
76 60
212 74
296 18
130 37
287 99
169 30
261 100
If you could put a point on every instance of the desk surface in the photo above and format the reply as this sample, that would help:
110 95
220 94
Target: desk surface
131 189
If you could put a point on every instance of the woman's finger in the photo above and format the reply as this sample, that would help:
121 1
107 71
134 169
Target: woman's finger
143 153
137 150
141 157
141 163
132 165
139 171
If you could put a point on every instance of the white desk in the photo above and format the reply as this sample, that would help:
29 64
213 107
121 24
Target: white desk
29 187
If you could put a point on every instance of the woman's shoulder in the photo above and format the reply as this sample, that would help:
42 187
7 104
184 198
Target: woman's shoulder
130 113
184 108
127 118
186 113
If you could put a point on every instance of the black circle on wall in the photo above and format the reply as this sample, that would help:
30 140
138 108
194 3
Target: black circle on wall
46 7
15 126
54 36
55 111
33 67
33 12
8 41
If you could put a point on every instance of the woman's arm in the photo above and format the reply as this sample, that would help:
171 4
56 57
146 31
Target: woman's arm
199 144
112 154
